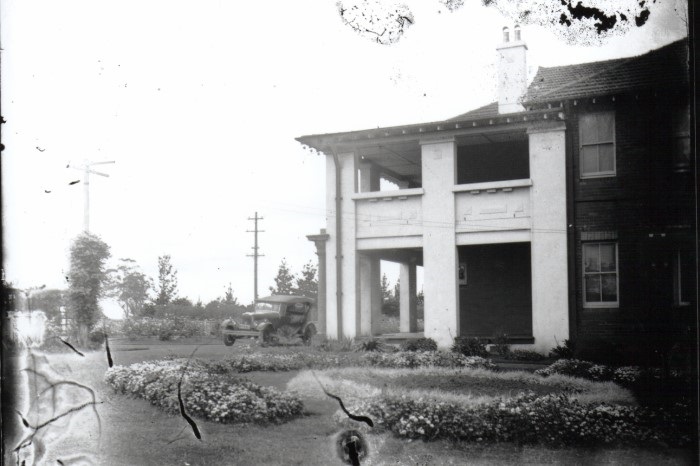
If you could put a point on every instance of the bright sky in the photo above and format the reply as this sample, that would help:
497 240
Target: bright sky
199 102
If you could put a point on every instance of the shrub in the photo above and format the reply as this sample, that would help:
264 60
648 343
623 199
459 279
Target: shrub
570 367
96 338
563 352
370 345
553 420
420 344
469 346
205 395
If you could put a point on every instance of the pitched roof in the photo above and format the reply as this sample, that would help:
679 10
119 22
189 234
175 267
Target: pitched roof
664 67
487 111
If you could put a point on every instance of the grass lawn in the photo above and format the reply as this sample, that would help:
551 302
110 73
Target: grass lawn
133 432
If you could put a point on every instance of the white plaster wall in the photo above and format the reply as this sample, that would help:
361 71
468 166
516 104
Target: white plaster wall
550 303
512 76
389 216
439 250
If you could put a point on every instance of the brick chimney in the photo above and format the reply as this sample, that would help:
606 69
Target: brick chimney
512 71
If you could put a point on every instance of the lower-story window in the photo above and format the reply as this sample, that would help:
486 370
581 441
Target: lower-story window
600 275
682 277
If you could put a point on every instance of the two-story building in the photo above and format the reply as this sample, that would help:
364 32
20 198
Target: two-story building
562 210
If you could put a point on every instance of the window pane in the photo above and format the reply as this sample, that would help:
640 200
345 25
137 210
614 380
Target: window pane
607 258
609 287
605 127
591 258
589 130
593 288
607 157
589 159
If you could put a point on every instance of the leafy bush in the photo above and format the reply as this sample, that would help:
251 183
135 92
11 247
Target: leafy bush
420 344
469 346
410 359
96 338
563 352
206 395
553 420
371 344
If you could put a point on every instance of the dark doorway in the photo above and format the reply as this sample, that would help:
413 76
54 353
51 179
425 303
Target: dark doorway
495 295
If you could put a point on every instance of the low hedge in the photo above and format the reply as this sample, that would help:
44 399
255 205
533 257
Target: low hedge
274 362
212 397
552 420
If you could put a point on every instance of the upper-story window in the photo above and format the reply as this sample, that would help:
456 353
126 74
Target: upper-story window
597 150
681 140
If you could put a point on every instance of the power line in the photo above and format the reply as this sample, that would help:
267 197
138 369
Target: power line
255 254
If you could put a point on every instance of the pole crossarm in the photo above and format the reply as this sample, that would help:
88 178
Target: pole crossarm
255 254
85 168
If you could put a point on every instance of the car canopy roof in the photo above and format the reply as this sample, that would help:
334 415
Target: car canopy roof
285 299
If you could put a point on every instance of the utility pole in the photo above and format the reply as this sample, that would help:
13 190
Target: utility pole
255 254
86 183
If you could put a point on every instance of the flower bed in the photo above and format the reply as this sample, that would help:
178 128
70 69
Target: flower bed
411 359
553 420
205 395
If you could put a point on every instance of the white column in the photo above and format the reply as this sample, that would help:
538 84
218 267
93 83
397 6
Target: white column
370 295
438 159
348 180
408 321
550 290
369 178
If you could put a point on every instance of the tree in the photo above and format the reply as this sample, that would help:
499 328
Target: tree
306 281
386 293
87 277
130 288
167 281
50 301
284 281
229 298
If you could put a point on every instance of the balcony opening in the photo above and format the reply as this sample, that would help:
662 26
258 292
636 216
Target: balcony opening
493 161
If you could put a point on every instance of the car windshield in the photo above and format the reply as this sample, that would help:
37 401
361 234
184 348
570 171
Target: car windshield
261 308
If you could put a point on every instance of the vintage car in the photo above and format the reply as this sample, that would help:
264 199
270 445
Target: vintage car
273 317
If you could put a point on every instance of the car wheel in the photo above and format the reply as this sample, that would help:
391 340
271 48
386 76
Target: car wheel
309 332
229 340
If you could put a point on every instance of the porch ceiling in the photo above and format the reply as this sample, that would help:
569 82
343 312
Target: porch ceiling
402 158
405 255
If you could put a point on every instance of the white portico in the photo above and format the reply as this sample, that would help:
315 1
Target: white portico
481 206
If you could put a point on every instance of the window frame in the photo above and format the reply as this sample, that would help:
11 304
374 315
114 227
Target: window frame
678 280
600 304
581 145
